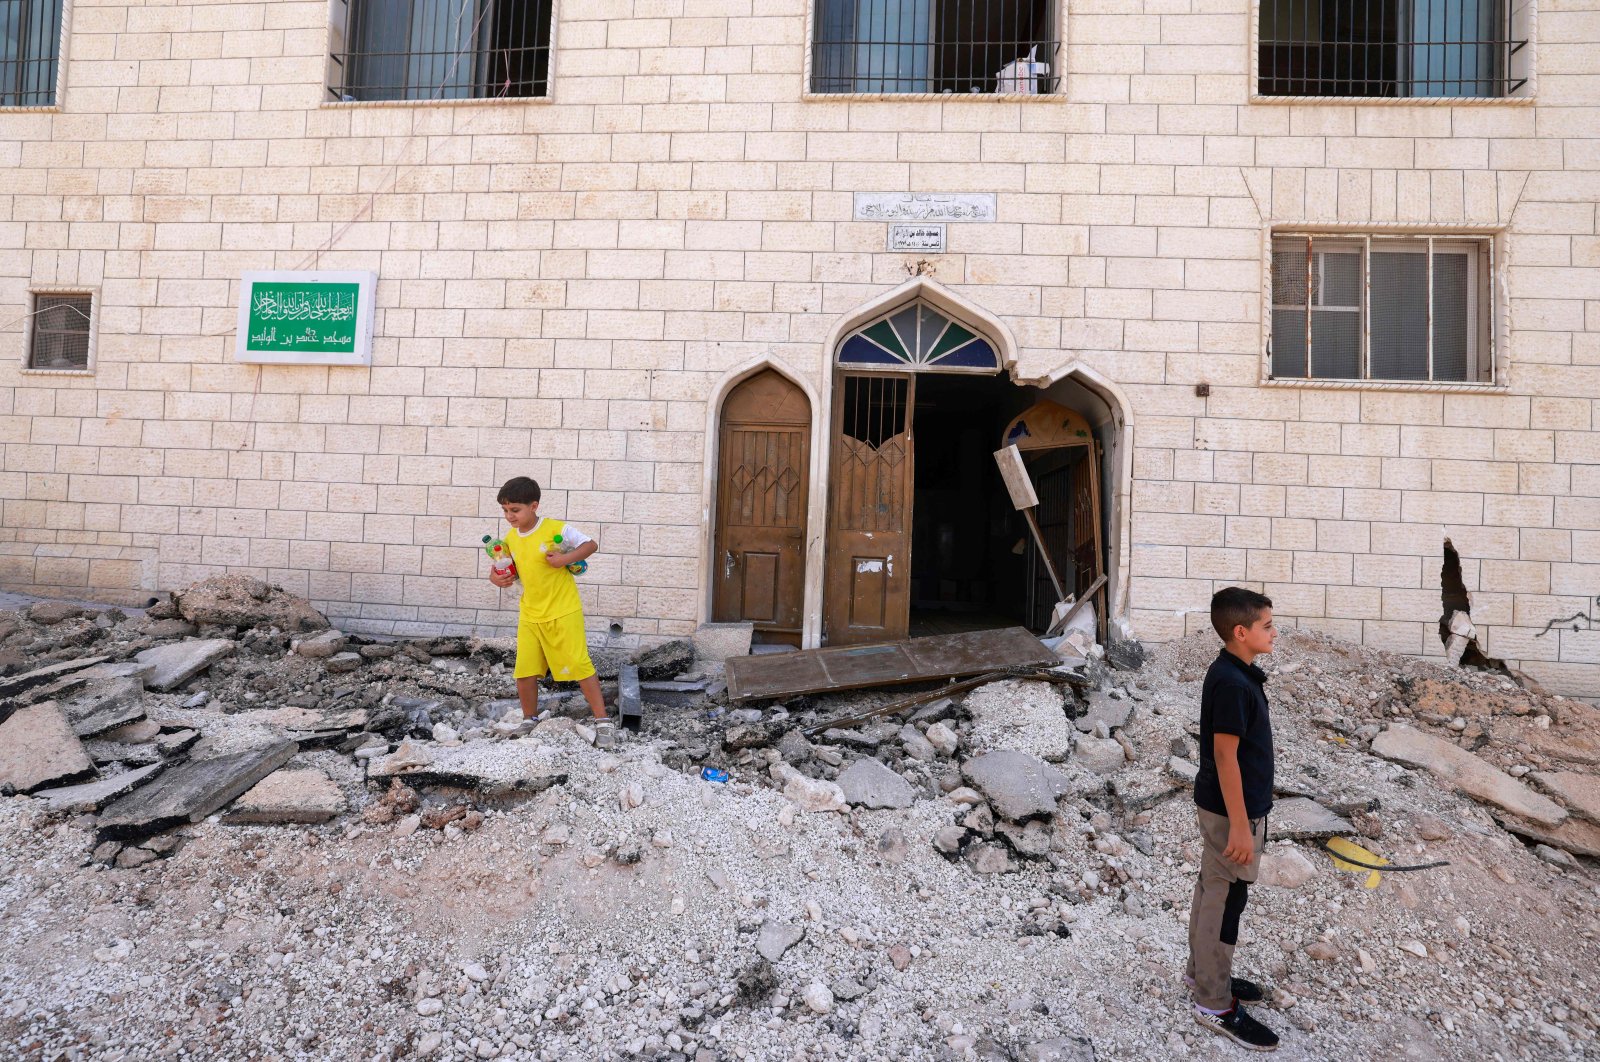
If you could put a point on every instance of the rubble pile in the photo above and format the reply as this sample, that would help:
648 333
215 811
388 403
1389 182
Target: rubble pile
235 829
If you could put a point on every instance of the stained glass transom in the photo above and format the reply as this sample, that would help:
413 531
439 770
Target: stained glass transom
917 337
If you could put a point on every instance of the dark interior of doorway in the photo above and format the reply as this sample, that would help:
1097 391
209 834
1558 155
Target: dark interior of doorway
973 563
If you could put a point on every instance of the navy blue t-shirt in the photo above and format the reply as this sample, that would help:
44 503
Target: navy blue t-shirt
1234 701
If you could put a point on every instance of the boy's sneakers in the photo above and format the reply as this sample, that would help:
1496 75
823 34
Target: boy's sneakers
1243 991
1239 1027
605 734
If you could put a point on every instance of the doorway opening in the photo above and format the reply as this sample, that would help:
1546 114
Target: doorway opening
971 555
923 538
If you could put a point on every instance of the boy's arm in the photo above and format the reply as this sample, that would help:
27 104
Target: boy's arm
1241 845
573 555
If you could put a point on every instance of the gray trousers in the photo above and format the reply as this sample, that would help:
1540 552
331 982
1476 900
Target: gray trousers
1220 894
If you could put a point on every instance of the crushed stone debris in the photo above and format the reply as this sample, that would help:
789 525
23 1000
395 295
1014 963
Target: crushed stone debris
514 892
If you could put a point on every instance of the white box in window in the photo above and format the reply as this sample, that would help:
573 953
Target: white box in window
1022 75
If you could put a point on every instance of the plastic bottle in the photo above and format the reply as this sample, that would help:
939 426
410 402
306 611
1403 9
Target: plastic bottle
499 555
713 774
576 567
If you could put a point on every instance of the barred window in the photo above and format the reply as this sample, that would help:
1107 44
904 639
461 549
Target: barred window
944 46
442 50
60 331
30 38
1394 48
1394 308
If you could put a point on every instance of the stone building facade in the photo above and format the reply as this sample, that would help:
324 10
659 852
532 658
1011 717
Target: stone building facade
572 287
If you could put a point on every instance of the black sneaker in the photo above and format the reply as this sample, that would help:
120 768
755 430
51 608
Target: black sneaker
1239 1027
1243 991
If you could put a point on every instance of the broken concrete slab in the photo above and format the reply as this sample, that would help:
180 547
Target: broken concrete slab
1300 818
1466 772
1024 715
1103 709
490 769
868 783
92 796
776 938
1579 792
310 719
321 646
191 791
716 642
50 613
174 664
1018 785
809 794
303 796
105 753
106 706
1100 755
15 684
240 601
38 748
1579 836
665 661
134 733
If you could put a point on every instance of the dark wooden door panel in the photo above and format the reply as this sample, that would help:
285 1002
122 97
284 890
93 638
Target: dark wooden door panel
764 453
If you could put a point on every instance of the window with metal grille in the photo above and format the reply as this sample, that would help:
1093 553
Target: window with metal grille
1392 308
442 50
1394 48
944 46
30 39
60 331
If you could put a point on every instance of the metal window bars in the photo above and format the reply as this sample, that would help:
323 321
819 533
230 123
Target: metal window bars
936 46
30 42
1388 48
1400 308
413 50
60 332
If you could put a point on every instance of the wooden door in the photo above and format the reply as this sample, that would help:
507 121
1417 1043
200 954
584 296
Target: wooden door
763 458
867 589
1086 549
1052 478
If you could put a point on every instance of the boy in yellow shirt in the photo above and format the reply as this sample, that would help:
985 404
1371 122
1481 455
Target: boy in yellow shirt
550 634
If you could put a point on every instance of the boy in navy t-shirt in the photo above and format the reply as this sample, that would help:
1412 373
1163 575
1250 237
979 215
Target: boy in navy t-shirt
1232 795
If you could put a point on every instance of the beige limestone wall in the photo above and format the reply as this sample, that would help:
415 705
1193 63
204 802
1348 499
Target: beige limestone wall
564 283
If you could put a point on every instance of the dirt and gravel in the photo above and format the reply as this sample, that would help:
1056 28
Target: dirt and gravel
493 890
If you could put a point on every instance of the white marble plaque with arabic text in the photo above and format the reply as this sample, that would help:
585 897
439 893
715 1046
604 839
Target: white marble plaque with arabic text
915 237
925 206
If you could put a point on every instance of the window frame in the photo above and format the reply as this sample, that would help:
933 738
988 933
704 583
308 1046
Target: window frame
29 328
807 93
339 49
1526 96
63 40
1487 306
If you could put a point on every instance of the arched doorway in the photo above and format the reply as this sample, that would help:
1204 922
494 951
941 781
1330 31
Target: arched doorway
762 489
921 537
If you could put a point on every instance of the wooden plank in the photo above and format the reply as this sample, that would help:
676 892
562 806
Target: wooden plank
1015 476
884 664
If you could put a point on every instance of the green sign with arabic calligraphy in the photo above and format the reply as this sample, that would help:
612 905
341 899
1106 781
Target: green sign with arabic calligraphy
304 316
321 317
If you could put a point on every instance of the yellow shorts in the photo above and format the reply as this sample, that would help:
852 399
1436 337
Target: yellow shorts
558 646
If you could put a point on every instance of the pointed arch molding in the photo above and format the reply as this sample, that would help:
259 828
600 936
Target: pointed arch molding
816 496
1121 482
941 298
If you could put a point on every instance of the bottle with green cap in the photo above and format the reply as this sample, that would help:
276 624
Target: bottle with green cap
576 567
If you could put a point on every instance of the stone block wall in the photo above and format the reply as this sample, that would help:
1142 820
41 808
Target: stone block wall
563 283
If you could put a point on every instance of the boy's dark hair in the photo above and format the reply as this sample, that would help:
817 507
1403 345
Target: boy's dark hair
1234 606
519 491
